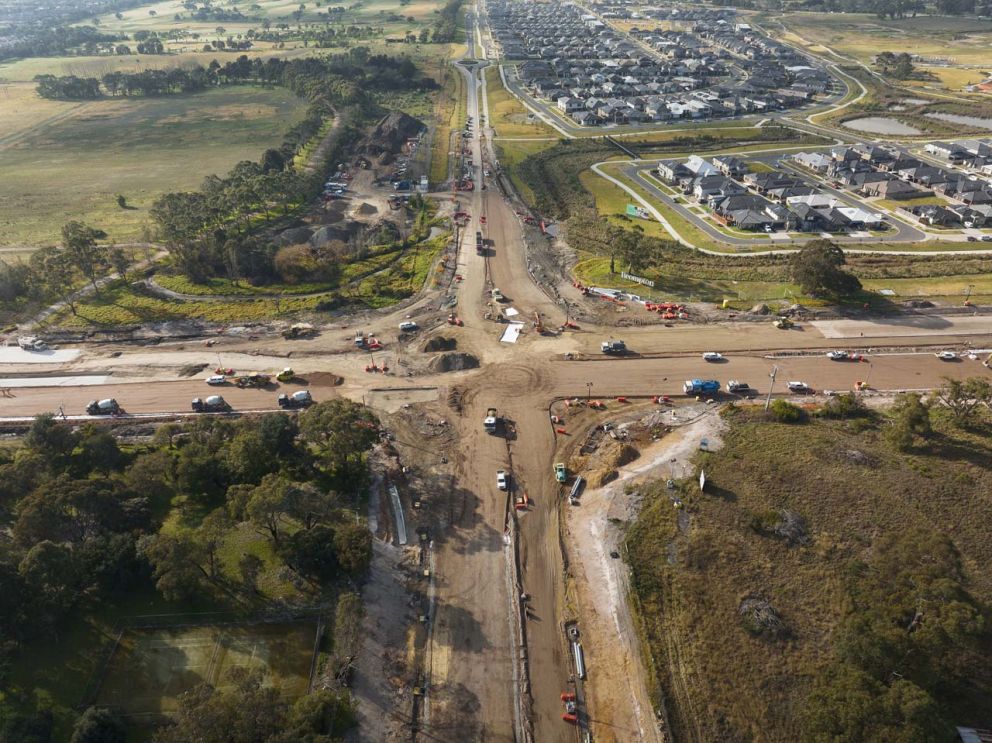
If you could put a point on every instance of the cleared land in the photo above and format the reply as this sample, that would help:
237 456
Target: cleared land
72 164
692 568
152 668
508 116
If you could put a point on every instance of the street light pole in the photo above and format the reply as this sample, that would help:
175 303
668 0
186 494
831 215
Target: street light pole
588 391
768 400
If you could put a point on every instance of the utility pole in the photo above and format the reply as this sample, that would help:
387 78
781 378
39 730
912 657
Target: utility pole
588 391
768 400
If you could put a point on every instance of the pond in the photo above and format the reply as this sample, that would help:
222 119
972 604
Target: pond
959 119
880 125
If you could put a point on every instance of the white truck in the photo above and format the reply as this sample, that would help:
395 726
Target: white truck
491 421
31 343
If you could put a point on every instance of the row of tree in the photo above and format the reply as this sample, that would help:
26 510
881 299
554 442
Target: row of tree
84 521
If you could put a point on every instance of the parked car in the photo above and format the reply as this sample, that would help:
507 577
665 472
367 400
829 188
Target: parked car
712 356
947 356
838 355
502 479
800 388
987 238
216 379
736 387
408 326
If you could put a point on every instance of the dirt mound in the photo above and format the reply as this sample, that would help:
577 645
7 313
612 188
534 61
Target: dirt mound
330 233
366 208
603 466
319 379
191 370
439 343
448 362
292 236
392 131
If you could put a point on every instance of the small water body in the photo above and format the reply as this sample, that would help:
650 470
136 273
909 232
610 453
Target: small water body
880 125
914 101
959 119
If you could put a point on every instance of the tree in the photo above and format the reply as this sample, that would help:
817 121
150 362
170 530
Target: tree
247 713
98 725
79 243
817 270
121 201
176 564
210 534
57 275
910 421
311 552
98 450
353 543
249 568
342 430
268 504
50 574
272 161
51 439
963 398
119 260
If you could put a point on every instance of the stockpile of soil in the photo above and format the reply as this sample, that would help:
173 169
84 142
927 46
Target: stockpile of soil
191 370
447 362
391 133
319 379
603 465
439 343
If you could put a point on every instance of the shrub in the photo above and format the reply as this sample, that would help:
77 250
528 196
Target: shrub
847 405
786 412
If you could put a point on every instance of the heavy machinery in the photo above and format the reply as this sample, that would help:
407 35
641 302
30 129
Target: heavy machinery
299 399
298 330
479 245
784 323
701 386
31 343
104 407
212 404
612 346
286 375
253 380
491 421
561 474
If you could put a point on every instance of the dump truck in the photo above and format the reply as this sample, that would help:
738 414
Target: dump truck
212 404
491 421
701 386
615 347
103 407
561 474
299 399
479 244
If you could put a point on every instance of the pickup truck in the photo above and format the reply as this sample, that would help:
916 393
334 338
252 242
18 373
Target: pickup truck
701 386
491 421
615 347
497 295
738 388
561 474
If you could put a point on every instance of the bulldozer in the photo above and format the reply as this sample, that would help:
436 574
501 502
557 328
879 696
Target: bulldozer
286 375
784 323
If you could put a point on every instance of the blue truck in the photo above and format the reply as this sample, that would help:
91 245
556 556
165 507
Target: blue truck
701 386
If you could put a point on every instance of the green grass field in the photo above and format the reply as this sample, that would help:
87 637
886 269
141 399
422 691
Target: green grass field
507 115
71 164
152 668
862 36
692 567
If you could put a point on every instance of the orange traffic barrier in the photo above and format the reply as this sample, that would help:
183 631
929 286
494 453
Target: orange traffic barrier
621 399
561 431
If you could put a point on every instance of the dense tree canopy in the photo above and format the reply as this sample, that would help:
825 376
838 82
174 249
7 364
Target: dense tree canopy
818 269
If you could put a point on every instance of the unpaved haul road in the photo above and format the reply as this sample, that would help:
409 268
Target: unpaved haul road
479 688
